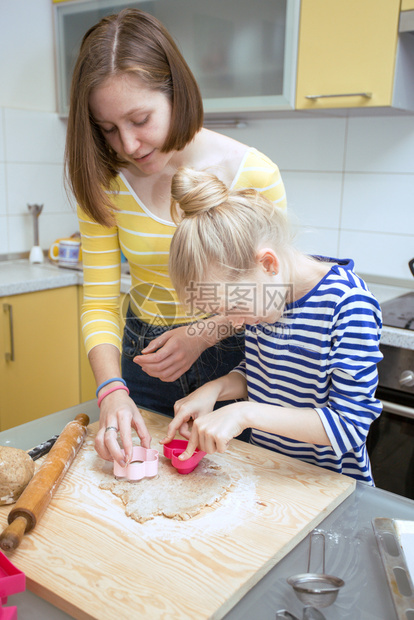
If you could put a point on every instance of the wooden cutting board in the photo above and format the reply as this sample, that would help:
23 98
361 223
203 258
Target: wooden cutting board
89 559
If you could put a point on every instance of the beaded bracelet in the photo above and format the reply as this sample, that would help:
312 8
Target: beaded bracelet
106 383
118 387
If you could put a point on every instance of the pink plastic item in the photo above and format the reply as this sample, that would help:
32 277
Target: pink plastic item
176 447
12 581
144 464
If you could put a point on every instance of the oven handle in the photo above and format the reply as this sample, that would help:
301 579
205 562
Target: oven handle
406 412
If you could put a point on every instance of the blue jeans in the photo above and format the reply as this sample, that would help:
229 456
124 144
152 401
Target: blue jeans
151 393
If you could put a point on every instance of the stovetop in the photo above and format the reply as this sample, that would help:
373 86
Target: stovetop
399 312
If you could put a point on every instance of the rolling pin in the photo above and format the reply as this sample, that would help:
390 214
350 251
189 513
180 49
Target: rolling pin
35 498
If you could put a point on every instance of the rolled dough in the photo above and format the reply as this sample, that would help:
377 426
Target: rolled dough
171 494
16 471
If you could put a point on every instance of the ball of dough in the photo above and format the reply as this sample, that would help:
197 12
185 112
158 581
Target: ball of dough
16 471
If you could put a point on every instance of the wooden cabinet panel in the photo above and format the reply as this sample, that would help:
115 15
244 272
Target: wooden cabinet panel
346 47
43 377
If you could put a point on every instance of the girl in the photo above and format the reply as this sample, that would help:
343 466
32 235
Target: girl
135 117
309 375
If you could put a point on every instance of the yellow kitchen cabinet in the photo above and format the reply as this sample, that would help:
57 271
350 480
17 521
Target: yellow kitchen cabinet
39 354
347 51
407 5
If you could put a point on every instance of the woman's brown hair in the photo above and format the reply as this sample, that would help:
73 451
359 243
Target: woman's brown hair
135 42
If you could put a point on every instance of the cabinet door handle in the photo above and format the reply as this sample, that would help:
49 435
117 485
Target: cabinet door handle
9 355
366 95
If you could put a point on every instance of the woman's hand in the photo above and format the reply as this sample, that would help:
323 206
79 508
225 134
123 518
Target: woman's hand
198 403
119 411
213 432
172 354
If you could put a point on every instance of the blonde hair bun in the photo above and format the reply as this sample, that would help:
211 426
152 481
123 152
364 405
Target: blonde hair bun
220 230
197 192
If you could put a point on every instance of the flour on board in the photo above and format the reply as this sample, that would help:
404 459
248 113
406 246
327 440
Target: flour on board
170 494
235 507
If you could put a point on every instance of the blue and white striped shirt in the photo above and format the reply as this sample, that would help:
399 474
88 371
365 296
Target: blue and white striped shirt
323 353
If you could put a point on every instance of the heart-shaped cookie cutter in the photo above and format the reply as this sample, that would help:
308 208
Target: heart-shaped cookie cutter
144 464
174 448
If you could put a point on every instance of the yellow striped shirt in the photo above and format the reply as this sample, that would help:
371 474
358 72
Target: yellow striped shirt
145 240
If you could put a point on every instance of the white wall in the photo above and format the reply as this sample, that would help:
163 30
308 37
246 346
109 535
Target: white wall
349 182
32 137
31 171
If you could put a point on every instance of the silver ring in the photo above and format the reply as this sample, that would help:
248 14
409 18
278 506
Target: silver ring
111 428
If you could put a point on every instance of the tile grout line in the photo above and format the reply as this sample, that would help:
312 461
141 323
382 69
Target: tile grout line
6 182
341 204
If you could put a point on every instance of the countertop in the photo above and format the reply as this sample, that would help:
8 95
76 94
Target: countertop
19 276
351 549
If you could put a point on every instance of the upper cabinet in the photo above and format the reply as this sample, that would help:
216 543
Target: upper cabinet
347 53
243 54
251 58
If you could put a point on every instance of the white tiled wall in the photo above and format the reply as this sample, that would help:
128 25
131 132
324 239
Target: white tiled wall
378 144
31 171
349 182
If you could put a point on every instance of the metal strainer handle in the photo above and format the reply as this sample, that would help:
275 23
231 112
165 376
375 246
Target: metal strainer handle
313 535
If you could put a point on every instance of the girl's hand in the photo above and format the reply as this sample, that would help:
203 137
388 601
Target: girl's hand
171 354
198 403
213 433
118 410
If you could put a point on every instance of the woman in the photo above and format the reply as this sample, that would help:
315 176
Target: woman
313 328
136 117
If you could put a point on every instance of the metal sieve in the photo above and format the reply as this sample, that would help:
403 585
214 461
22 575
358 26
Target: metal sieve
316 589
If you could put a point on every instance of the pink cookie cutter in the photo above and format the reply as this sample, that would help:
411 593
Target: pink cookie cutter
176 447
144 464
12 581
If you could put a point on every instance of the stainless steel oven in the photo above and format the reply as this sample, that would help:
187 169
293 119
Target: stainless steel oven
391 437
